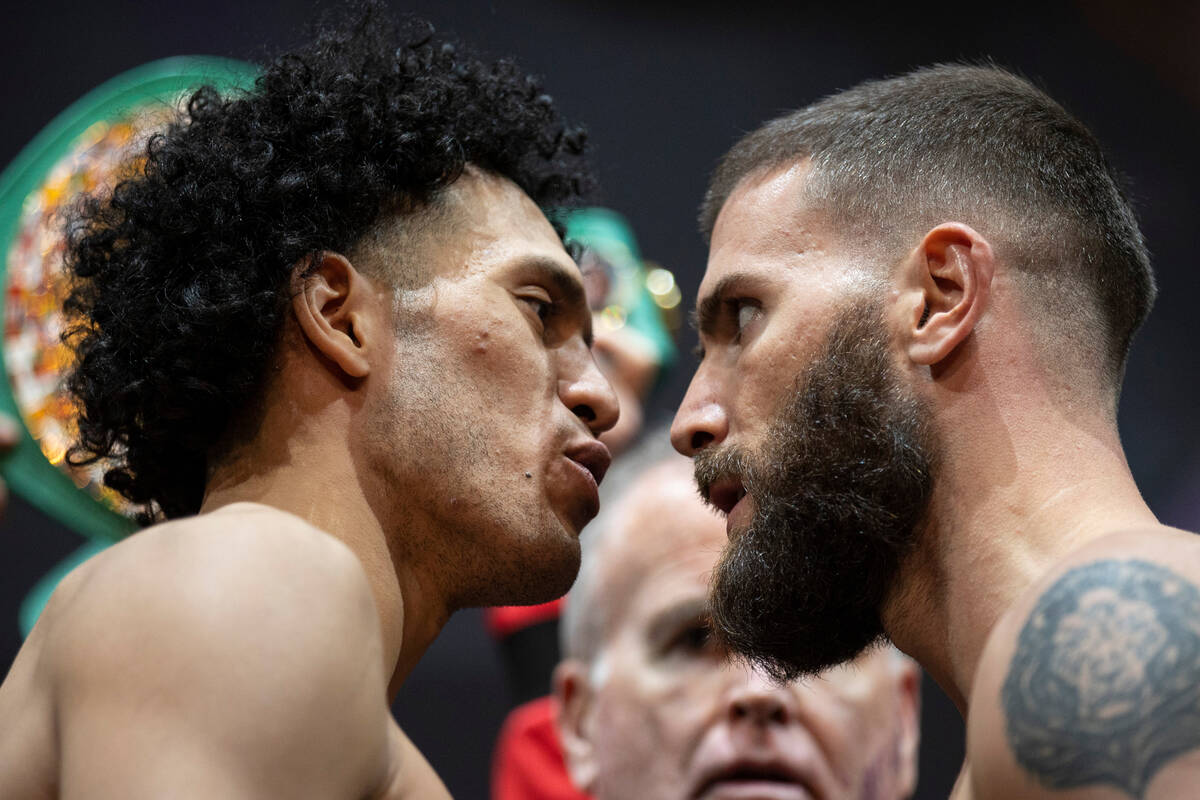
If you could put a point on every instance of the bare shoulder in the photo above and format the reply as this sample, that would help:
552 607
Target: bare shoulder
246 638
252 572
1089 686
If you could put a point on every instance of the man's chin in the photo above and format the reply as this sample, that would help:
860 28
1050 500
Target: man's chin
787 662
521 567
786 630
545 571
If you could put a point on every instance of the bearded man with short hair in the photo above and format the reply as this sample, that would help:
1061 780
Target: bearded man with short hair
919 300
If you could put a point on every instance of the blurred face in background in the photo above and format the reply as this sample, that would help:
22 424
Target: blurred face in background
624 355
661 712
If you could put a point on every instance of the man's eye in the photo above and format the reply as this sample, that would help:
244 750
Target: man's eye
692 640
747 312
541 306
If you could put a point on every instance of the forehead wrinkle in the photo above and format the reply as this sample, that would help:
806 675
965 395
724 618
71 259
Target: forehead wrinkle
614 594
632 590
643 547
643 524
622 559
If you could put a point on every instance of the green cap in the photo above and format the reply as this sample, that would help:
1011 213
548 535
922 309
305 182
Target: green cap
637 296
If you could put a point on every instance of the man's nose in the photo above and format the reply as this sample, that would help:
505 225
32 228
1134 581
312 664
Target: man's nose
756 700
701 420
589 395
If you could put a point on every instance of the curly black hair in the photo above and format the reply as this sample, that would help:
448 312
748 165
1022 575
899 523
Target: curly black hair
179 277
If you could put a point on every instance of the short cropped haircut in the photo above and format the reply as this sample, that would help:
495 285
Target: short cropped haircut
890 159
181 275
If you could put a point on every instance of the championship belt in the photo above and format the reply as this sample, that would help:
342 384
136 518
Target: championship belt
86 149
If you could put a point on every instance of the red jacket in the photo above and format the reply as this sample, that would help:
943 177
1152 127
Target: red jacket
528 764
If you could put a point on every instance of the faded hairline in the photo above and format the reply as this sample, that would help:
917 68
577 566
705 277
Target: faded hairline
392 249
890 161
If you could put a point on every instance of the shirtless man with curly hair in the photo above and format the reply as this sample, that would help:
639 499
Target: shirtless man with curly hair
328 339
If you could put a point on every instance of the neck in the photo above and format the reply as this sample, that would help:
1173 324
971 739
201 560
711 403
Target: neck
1016 492
318 483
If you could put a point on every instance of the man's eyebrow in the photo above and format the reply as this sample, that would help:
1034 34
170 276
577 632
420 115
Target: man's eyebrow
669 620
569 287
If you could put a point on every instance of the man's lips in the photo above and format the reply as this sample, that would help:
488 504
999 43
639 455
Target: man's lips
592 456
588 460
725 493
775 779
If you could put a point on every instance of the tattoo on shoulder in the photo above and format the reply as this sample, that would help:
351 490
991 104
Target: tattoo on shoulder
1104 687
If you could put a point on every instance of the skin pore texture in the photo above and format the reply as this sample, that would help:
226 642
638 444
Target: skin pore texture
470 346
661 712
1030 481
419 450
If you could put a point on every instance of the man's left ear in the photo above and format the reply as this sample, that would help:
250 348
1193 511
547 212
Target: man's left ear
334 304
573 693
908 676
945 288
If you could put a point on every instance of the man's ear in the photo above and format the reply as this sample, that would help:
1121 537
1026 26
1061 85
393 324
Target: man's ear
333 303
946 285
573 693
908 737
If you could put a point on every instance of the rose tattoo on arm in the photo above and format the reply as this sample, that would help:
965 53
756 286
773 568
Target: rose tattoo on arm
1104 687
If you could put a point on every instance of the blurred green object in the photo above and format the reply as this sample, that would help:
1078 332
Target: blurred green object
39 595
86 148
630 292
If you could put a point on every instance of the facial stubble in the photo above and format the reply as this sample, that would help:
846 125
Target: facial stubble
840 486
492 542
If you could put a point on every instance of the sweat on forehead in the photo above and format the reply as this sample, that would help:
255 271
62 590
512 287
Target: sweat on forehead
774 211
783 189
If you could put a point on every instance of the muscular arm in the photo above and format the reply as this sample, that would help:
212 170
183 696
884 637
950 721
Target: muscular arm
1102 689
235 669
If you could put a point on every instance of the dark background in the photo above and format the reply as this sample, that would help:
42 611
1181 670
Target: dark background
665 90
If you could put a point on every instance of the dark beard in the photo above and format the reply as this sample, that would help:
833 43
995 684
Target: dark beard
840 486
